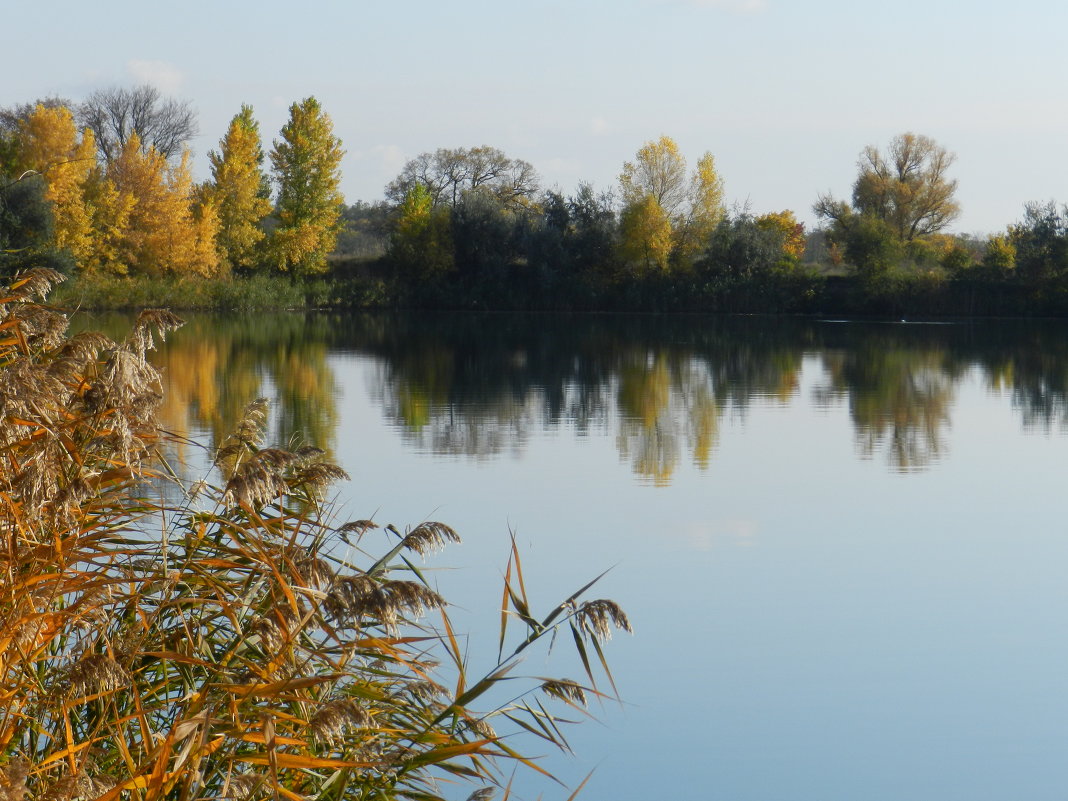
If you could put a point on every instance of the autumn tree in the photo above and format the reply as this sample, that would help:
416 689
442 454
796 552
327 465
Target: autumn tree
790 231
306 162
49 144
908 189
691 203
164 124
11 117
110 219
240 191
163 233
645 234
448 173
421 244
999 256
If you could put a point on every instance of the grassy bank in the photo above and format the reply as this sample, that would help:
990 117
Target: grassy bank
895 293
218 294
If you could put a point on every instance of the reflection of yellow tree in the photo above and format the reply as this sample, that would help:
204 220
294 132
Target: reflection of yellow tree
209 382
213 368
647 432
663 400
1035 371
705 426
426 382
899 399
453 389
307 392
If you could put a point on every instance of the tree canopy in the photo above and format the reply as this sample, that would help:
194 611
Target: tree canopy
908 188
240 190
117 113
676 210
307 169
448 173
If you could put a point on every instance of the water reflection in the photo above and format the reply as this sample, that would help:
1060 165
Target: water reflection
216 365
1033 366
480 386
899 397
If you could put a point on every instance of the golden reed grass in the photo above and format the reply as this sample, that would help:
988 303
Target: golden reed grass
219 647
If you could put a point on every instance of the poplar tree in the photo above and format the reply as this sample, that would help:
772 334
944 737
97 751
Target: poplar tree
48 143
645 234
306 164
163 234
677 210
239 191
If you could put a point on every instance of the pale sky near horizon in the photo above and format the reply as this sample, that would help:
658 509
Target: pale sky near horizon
784 94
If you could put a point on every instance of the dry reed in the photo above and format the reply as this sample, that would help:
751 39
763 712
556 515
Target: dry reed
239 656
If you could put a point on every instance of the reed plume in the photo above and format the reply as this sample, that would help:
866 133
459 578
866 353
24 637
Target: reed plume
220 647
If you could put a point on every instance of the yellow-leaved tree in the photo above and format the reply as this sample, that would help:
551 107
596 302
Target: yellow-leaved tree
48 143
421 244
163 234
240 192
692 204
785 224
645 234
306 162
111 210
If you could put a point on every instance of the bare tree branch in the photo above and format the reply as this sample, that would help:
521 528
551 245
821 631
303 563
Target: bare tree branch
115 114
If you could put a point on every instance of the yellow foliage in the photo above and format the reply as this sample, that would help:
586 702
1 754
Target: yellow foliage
706 193
1000 253
48 142
421 243
706 209
692 206
792 232
203 251
110 211
237 190
658 170
645 234
162 236
306 162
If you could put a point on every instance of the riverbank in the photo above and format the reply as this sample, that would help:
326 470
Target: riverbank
903 294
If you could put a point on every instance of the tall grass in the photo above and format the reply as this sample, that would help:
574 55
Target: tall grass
219 646
219 294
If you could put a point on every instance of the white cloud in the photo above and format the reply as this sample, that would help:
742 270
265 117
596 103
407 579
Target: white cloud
165 77
599 126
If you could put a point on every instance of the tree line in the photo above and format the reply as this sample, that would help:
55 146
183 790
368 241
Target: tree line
104 188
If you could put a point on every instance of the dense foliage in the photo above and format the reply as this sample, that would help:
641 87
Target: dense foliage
471 227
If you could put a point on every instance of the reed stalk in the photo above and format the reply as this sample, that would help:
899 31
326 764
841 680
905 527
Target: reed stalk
225 645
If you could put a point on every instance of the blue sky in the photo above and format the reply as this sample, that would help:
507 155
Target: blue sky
784 94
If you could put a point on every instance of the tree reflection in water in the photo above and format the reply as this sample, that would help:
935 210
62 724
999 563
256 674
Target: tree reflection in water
899 398
481 386
216 365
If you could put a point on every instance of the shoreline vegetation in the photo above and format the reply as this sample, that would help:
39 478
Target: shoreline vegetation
804 293
103 192
164 636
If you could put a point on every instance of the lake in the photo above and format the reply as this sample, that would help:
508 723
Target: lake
842 545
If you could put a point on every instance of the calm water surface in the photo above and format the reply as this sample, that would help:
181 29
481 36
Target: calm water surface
842 546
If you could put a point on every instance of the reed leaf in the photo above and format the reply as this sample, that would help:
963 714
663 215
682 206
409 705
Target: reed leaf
219 647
